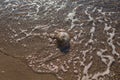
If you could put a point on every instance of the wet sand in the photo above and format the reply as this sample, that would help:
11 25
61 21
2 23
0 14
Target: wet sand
15 69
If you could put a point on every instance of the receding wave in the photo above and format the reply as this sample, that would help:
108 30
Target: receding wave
94 25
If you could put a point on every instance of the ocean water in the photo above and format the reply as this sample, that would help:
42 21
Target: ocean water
93 24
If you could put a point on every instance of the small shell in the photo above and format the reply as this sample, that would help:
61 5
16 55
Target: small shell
63 40
63 36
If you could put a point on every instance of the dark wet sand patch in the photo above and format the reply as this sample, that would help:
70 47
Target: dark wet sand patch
15 69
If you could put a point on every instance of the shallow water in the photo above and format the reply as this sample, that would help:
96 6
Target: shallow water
93 24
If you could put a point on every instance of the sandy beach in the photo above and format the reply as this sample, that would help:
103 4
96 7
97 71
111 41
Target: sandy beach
27 52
